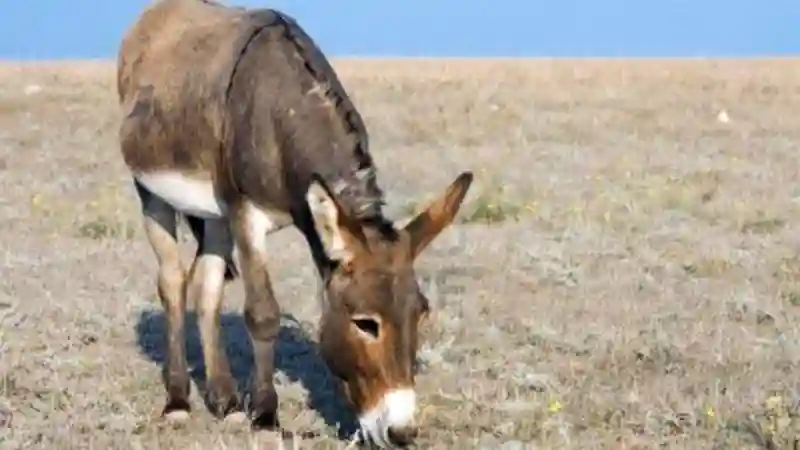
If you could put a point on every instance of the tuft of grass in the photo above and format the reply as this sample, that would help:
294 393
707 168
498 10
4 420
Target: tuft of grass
489 210
107 214
106 228
763 225
793 297
775 425
494 204
8 384
708 267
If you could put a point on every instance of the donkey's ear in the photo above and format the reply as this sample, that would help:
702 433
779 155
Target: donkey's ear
341 235
428 224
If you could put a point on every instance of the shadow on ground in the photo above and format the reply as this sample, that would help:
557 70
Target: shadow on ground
297 357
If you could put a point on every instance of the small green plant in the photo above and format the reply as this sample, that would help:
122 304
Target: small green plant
105 228
708 267
776 425
493 205
793 297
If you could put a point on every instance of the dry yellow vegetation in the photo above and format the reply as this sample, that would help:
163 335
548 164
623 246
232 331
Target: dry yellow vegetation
625 274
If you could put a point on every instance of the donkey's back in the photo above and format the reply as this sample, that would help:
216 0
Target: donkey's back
174 69
174 39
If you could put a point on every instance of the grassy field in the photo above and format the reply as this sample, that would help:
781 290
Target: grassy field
624 274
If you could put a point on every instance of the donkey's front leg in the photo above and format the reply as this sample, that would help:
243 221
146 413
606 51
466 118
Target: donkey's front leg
250 227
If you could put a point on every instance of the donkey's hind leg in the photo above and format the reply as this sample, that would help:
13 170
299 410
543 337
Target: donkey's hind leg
160 225
212 267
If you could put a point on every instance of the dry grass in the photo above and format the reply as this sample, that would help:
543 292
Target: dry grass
625 274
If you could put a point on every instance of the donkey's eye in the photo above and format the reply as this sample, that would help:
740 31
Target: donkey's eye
368 325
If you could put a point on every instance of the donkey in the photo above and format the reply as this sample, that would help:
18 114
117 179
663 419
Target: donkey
235 121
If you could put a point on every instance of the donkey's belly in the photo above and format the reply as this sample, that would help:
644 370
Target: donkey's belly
192 196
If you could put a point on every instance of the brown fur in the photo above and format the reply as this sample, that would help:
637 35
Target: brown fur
245 99
198 79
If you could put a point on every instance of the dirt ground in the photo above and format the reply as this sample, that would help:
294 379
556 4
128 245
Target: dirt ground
624 273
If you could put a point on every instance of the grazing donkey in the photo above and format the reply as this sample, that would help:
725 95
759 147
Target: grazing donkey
234 120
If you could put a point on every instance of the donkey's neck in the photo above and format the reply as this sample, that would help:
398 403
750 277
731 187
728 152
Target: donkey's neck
321 144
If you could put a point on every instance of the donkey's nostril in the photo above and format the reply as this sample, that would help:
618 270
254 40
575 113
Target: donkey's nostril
402 436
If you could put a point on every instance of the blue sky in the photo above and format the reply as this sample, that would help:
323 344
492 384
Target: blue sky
60 29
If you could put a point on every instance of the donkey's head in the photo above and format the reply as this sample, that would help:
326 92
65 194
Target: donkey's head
373 307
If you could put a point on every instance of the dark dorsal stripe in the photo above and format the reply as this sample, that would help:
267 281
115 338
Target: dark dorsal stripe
259 21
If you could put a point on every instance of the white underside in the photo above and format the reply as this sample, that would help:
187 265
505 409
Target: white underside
396 409
188 195
196 197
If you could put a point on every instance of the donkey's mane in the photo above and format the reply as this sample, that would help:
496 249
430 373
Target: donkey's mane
361 190
322 72
357 186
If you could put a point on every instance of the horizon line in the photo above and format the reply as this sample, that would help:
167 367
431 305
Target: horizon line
376 58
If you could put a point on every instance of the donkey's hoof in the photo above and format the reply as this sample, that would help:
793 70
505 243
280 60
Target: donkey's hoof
266 421
177 416
176 410
226 408
223 402
236 418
